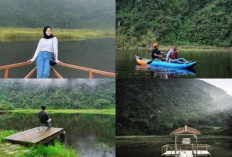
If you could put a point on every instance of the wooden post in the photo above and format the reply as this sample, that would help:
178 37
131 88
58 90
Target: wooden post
90 74
7 67
57 74
62 137
6 73
87 69
175 144
197 146
30 73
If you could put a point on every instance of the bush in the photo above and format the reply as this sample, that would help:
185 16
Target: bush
101 103
6 107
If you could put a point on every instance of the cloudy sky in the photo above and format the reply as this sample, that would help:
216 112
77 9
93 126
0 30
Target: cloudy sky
225 84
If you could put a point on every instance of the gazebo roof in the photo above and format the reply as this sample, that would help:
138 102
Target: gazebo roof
186 130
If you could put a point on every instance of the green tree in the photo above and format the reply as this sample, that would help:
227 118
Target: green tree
100 103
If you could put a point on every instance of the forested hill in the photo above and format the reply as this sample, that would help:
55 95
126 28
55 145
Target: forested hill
61 94
160 106
222 100
205 22
94 14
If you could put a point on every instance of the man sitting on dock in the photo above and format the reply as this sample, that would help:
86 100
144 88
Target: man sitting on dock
43 117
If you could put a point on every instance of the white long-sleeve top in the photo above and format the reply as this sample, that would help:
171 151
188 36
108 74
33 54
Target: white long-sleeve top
168 54
49 45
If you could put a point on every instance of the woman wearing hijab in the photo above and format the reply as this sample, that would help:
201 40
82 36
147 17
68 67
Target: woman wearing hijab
47 46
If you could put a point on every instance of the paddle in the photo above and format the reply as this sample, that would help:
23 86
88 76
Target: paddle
153 60
149 62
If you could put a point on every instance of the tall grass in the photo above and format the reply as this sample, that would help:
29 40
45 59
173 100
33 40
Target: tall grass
4 133
9 33
69 111
56 150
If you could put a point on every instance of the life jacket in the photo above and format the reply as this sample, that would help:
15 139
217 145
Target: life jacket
174 55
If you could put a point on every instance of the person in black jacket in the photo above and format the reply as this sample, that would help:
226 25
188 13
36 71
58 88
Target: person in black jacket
44 118
156 53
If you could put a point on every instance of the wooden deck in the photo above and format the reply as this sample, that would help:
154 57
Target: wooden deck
35 136
187 153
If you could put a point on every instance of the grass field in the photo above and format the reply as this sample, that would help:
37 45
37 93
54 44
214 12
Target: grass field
14 34
86 111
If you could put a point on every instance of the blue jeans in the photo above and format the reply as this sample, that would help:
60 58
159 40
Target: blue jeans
179 61
49 124
43 64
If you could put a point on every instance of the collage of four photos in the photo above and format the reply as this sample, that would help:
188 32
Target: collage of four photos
115 78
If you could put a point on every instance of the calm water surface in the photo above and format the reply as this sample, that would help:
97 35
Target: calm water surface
210 65
89 134
91 53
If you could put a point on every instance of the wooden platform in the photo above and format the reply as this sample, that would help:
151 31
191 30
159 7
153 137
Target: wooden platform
35 136
187 153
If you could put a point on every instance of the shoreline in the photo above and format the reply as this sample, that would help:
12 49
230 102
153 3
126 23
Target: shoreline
166 136
68 111
135 141
184 48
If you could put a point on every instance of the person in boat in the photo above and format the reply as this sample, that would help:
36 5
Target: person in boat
47 47
172 56
156 54
44 118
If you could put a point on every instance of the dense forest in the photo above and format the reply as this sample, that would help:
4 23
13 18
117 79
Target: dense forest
93 14
142 23
61 94
149 107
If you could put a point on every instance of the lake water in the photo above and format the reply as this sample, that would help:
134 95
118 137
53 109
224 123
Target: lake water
89 134
151 146
210 65
91 53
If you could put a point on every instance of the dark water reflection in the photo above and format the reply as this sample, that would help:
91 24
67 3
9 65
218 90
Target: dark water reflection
151 146
92 53
89 134
210 65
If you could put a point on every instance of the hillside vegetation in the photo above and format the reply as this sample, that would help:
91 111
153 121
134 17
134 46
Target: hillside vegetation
149 107
184 22
75 14
66 94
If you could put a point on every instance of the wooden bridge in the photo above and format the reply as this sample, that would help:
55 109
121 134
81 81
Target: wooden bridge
91 71
35 136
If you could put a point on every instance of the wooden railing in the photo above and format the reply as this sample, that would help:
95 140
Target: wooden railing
91 71
192 147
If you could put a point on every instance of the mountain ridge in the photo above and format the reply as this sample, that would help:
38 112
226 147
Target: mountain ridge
159 106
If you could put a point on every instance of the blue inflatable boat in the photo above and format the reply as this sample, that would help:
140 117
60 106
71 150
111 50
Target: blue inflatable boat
148 62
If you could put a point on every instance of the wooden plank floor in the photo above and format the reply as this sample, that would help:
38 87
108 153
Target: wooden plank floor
35 135
187 153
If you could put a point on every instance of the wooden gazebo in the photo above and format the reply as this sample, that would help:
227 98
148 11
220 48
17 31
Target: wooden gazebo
185 131
186 148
